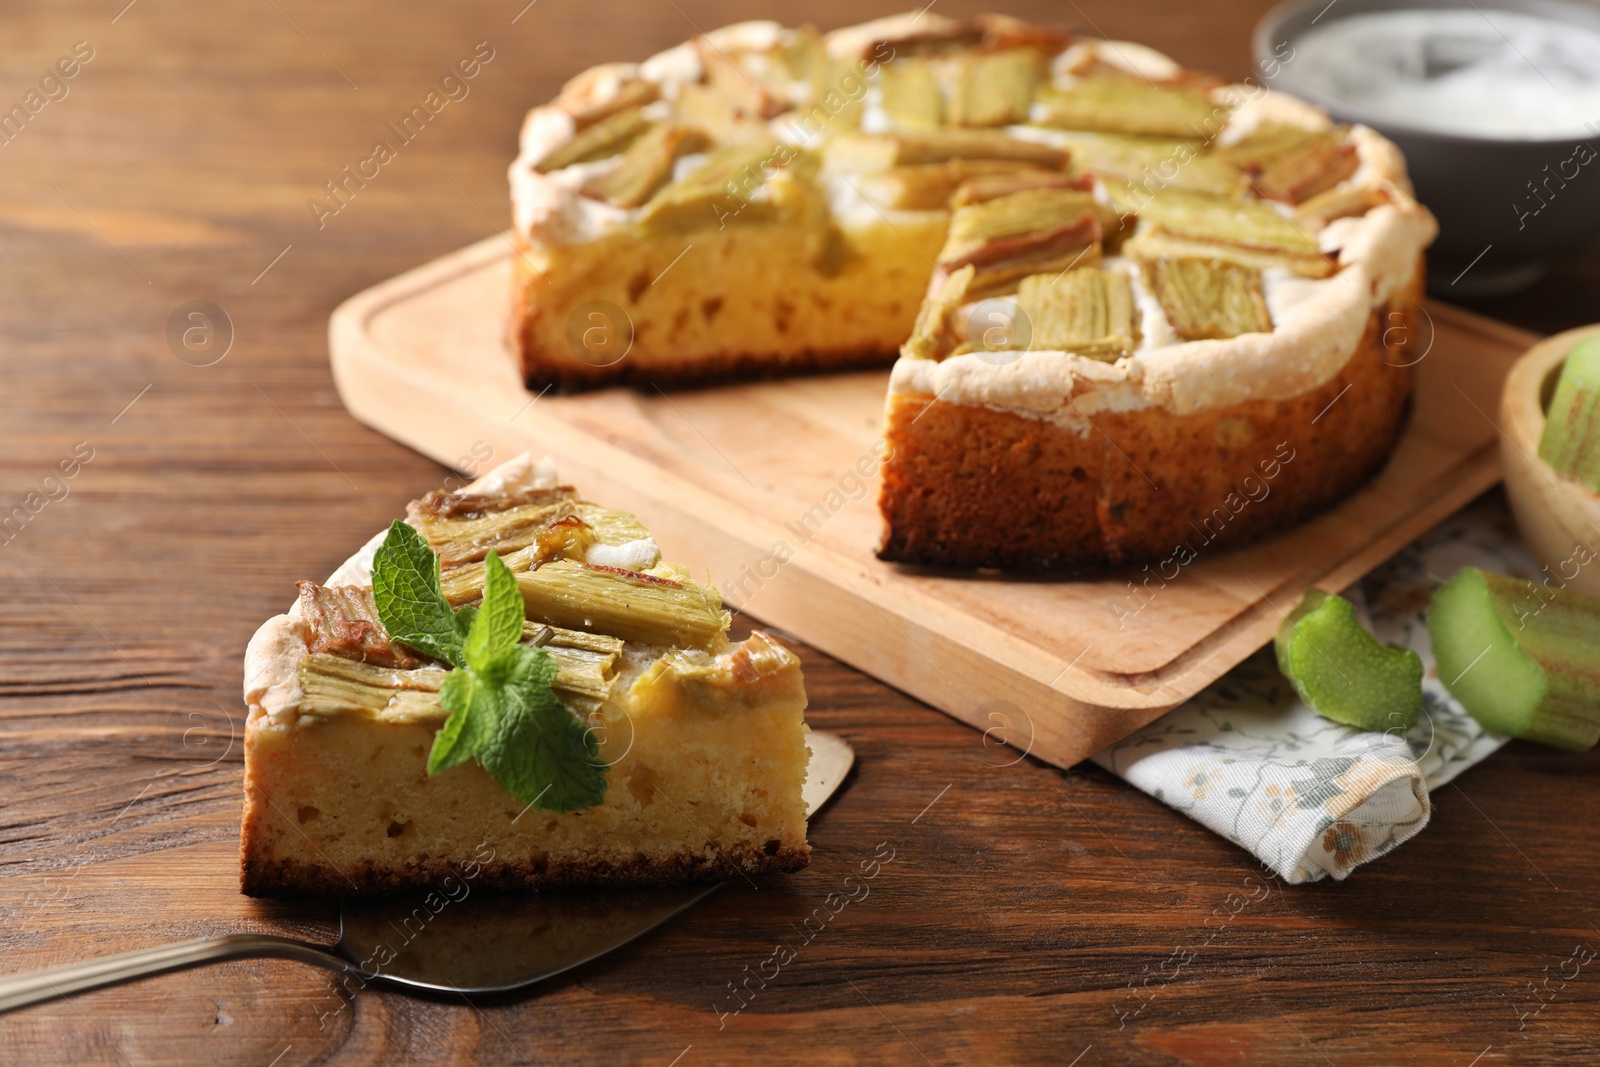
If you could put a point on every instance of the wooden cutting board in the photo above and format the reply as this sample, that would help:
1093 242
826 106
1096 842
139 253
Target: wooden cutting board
758 486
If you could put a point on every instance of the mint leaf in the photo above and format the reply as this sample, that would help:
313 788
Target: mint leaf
541 753
405 590
506 716
497 625
471 724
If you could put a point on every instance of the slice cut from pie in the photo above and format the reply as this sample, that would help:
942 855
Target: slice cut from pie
642 746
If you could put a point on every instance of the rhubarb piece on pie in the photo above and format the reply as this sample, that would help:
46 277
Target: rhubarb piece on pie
693 747
1207 298
1128 106
1293 164
1086 311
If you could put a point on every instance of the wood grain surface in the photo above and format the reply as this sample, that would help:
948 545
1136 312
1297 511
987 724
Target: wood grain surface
1028 915
423 358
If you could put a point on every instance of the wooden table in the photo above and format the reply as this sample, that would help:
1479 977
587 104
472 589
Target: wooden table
1028 915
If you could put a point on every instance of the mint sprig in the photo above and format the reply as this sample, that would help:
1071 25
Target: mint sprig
405 587
503 712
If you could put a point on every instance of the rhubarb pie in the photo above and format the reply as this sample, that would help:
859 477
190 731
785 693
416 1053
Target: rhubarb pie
1139 312
619 737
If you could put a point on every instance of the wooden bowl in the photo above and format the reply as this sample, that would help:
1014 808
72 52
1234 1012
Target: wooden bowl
1559 518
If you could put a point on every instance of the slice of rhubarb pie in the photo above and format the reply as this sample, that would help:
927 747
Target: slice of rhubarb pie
512 687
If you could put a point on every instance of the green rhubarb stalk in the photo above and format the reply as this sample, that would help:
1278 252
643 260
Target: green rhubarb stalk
1345 673
1521 657
1571 439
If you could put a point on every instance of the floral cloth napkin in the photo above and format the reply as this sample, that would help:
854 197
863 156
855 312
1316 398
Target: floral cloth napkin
1309 796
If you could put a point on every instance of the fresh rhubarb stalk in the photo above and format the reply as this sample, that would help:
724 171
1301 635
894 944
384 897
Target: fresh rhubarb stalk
1340 669
1571 439
1521 657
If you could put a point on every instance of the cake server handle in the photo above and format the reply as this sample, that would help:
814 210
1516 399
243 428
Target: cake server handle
18 991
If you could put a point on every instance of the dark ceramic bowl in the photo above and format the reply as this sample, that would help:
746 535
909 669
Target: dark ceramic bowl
1495 234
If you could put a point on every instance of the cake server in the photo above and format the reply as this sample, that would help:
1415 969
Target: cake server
481 943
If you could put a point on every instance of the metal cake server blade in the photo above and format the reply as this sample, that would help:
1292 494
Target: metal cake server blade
480 943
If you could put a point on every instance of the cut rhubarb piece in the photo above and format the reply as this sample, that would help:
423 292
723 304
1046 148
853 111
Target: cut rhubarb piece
1571 439
1140 168
1521 657
1182 224
720 114
1291 164
646 165
1033 211
1119 105
995 88
871 152
763 82
1088 312
1206 298
1342 671
931 338
984 188
1032 232
605 138
910 93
